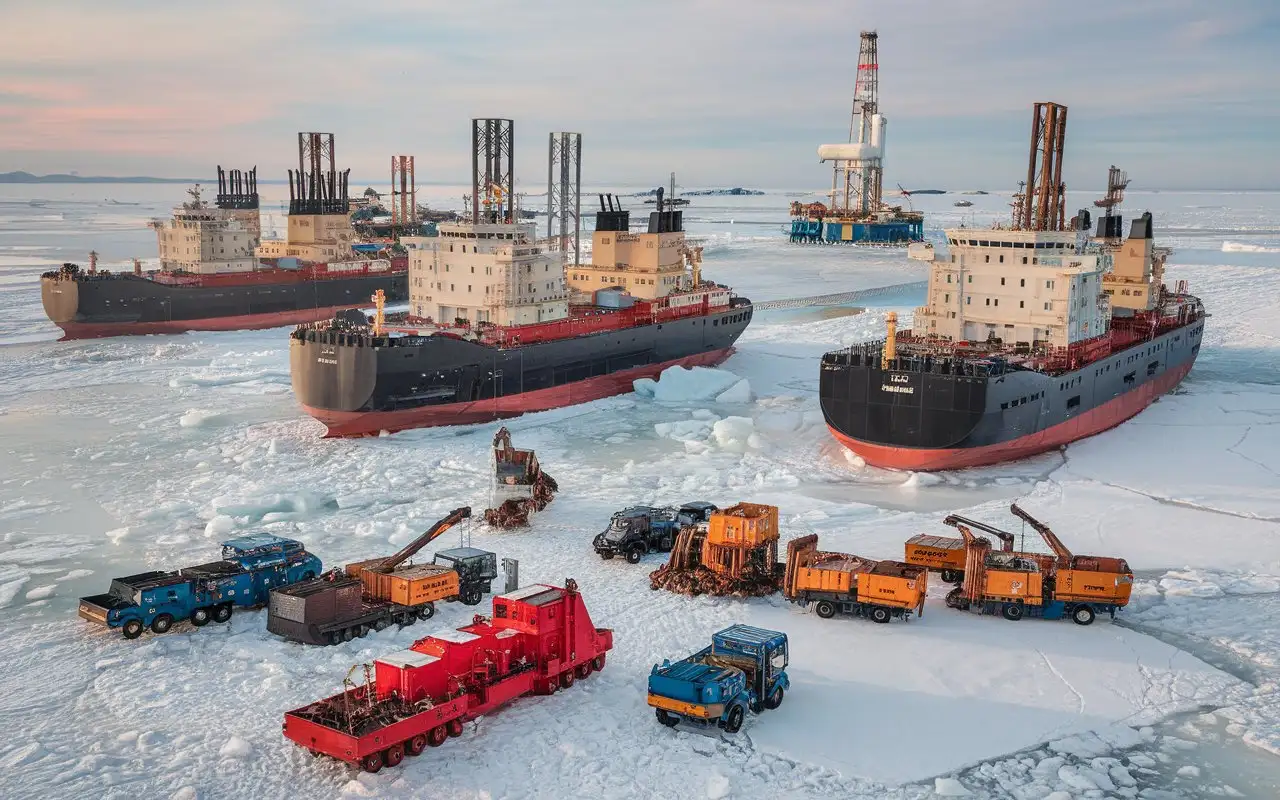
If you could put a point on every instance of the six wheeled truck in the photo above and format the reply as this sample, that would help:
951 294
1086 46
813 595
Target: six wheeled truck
539 639
1015 585
745 668
638 530
838 583
250 568
374 594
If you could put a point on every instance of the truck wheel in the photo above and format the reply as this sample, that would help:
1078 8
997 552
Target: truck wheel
775 699
583 670
1012 611
454 726
669 720
200 617
733 723
132 629
162 623
955 598
634 555
952 576
381 624
393 755
1083 615
416 745
826 609
880 615
334 637
472 598
371 762
222 613
348 634
427 611
606 556
566 679
437 735
597 663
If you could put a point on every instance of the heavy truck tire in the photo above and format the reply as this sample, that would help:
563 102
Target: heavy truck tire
472 597
132 629
668 720
583 670
1012 611
437 735
371 762
426 611
634 555
1083 615
222 613
200 617
775 699
606 556
393 755
566 679
597 663
826 609
880 614
416 745
952 576
162 623
454 727
733 723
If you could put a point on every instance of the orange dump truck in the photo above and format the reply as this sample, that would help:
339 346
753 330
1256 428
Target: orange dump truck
838 583
940 553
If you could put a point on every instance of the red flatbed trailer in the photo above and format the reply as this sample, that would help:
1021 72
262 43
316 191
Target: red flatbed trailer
539 639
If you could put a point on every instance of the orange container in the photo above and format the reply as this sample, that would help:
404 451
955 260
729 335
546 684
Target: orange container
936 552
744 525
893 583
1106 587
407 586
1014 585
836 574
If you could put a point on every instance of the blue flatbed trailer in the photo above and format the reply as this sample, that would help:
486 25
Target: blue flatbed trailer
250 567
744 669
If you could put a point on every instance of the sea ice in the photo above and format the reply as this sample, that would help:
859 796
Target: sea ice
681 384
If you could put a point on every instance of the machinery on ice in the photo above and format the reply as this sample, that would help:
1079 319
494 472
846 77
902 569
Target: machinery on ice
638 530
502 323
947 555
1034 335
217 273
519 486
735 552
374 594
539 639
744 669
250 567
857 213
1015 585
838 583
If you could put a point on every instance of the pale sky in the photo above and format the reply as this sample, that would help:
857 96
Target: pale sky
1180 93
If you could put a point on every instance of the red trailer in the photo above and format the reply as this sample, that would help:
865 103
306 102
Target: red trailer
539 639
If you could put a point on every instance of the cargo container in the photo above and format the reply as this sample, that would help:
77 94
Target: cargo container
839 583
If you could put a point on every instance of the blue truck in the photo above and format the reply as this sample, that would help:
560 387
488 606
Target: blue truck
250 568
638 530
744 669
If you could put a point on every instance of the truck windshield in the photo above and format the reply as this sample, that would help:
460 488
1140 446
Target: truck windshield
618 529
125 592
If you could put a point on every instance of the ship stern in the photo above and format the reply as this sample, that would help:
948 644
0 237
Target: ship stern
333 375
61 299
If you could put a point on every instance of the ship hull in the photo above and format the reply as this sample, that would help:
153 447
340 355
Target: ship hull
358 385
125 305
918 420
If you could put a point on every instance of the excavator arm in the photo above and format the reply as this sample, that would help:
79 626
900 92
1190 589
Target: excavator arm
454 517
1050 538
1006 538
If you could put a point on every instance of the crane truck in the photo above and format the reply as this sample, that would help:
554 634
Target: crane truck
1015 585
539 639
250 568
846 584
946 554
744 668
374 594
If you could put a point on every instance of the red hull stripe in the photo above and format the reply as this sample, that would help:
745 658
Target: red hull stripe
1096 420
368 423
241 322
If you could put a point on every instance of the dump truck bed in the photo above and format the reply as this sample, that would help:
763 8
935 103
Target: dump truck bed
935 552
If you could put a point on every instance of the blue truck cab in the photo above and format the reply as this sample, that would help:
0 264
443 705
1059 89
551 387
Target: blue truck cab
250 567
744 669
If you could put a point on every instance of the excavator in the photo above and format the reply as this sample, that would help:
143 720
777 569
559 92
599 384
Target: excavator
1017 584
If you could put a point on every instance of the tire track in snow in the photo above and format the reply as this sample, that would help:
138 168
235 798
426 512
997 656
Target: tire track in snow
1061 677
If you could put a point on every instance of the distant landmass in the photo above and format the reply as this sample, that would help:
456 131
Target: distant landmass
27 177
737 191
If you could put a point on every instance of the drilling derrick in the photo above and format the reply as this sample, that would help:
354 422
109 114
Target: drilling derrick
1041 205
492 170
564 193
404 196
237 190
317 187
864 177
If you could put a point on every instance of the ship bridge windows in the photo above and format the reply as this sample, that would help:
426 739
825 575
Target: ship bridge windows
983 243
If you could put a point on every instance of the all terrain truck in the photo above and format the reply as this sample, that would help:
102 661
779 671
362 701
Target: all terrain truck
540 639
372 595
946 555
1064 585
638 530
744 669
838 583
250 568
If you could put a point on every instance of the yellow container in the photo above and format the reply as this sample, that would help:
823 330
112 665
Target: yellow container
744 525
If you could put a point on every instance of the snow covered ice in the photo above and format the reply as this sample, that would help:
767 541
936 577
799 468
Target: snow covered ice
141 453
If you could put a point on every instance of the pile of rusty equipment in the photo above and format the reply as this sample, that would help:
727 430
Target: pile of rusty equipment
735 553
519 488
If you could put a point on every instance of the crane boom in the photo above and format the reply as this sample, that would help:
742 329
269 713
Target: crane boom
1050 538
1006 538
454 517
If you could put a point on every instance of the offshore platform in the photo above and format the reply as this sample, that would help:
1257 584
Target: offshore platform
857 213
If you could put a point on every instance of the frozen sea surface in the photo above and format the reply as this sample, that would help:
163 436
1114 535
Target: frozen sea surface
146 452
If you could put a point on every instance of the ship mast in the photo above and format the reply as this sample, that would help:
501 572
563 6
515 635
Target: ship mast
564 193
492 170
1041 204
